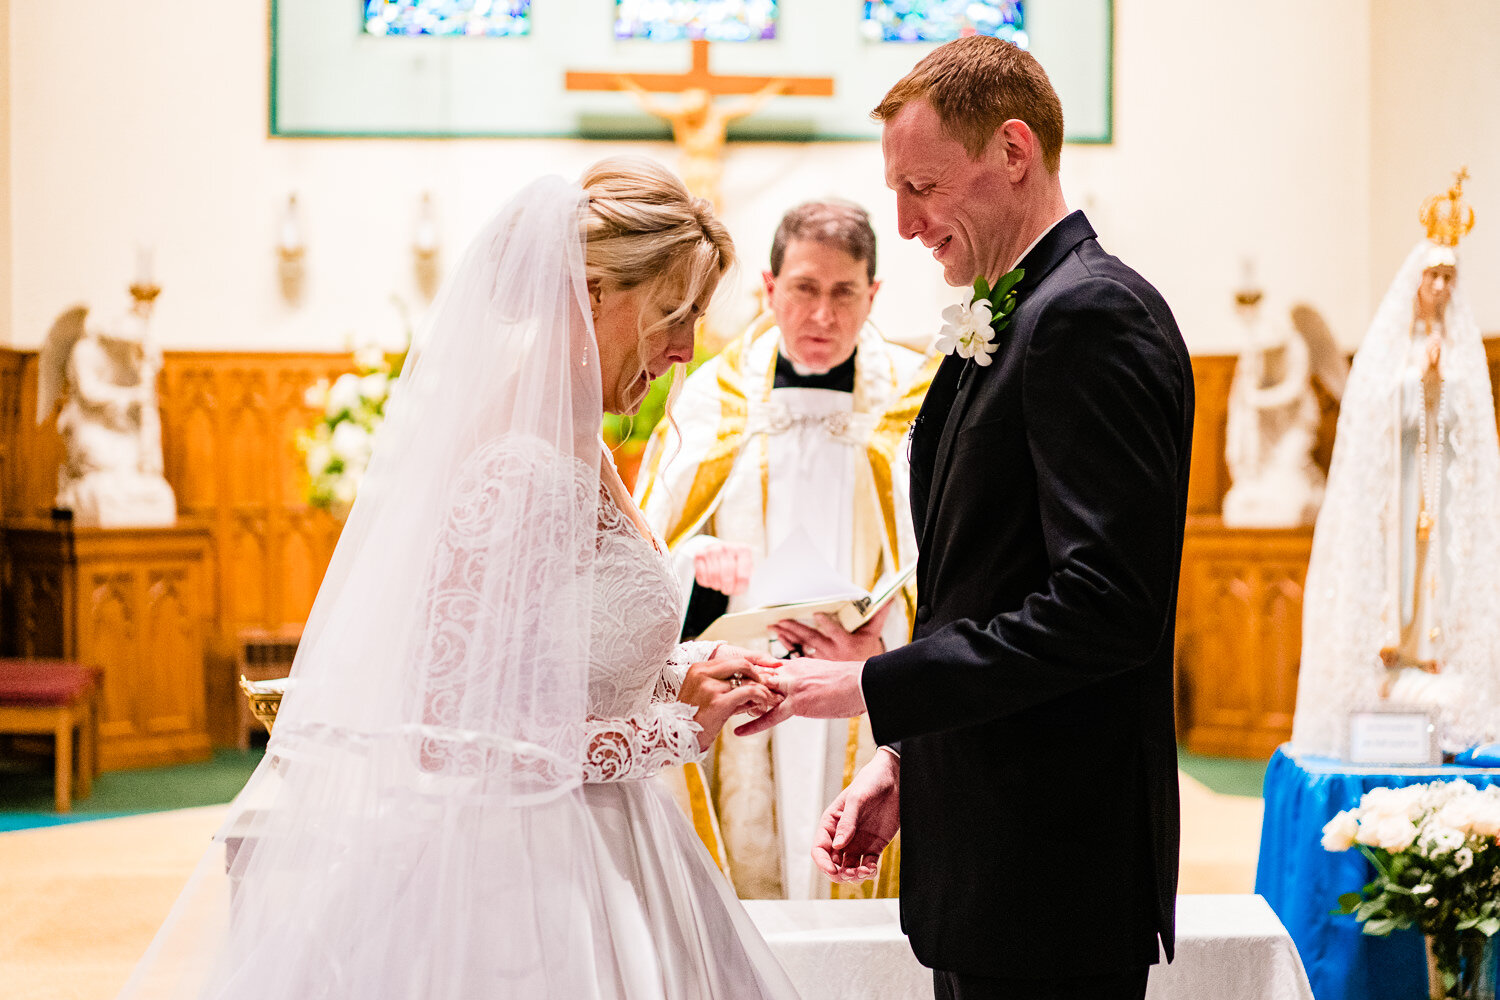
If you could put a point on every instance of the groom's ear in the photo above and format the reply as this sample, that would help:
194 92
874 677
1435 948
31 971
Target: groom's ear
1015 148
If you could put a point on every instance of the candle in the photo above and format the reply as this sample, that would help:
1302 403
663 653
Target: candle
145 274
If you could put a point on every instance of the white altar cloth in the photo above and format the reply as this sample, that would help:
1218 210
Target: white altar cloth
1228 948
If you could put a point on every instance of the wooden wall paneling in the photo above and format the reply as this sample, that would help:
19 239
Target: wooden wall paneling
12 371
36 450
1239 636
1208 476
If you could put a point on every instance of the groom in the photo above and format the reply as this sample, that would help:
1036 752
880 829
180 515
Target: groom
1028 751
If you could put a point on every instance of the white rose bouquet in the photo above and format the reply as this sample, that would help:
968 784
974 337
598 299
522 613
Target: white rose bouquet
337 448
1437 863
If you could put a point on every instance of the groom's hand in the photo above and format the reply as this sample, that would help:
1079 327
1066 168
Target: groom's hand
813 689
861 821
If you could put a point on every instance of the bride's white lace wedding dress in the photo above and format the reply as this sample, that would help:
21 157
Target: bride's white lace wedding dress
457 802
675 928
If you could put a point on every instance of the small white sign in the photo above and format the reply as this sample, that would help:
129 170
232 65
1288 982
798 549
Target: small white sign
1392 737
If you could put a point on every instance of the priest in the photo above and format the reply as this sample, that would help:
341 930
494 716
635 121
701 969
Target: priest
797 429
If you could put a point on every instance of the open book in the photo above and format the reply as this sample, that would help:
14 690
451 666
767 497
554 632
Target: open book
850 611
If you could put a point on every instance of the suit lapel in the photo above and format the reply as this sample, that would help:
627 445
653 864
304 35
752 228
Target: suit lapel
1039 262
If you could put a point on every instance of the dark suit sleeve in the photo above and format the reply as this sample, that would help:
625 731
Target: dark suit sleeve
1103 402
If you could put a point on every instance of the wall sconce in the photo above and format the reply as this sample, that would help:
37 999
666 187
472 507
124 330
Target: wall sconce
290 251
426 248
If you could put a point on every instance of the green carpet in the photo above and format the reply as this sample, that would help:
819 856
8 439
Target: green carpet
1225 775
26 789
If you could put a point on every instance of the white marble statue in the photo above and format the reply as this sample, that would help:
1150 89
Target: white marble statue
111 475
1273 421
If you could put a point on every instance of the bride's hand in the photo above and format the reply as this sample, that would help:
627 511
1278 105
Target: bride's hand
725 686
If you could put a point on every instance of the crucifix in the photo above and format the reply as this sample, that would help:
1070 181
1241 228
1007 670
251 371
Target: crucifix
699 125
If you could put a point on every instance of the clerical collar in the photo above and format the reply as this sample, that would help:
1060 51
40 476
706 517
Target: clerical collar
839 378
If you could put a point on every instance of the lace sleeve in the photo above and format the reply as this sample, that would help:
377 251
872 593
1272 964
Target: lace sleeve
663 735
685 655
639 746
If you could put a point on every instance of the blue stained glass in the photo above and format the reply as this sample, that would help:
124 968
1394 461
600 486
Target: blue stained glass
492 18
944 20
715 20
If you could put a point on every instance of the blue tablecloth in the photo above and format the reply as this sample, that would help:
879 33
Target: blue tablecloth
1303 882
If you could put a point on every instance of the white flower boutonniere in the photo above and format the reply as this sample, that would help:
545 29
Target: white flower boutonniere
970 330
966 329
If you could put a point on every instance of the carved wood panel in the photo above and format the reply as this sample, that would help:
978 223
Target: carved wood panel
134 602
1239 636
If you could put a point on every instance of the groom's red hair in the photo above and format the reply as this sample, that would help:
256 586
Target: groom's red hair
976 85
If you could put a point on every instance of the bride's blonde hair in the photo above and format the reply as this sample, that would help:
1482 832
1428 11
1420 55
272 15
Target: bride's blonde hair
643 226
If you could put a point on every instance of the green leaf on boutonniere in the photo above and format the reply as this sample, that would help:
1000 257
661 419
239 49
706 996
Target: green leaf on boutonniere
1009 280
1002 298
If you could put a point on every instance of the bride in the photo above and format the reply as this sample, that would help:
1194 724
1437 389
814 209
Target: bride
454 802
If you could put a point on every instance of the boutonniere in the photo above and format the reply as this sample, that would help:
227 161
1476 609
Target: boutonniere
970 330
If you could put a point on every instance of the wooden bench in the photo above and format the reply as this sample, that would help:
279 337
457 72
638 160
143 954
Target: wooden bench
55 697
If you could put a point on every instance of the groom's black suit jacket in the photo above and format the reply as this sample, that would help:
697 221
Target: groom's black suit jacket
1033 708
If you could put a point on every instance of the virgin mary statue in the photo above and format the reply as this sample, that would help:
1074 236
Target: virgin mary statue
1402 603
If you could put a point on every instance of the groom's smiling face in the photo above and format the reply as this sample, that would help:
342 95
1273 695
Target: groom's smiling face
963 210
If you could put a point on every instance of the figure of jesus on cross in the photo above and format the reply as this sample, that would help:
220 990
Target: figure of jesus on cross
699 125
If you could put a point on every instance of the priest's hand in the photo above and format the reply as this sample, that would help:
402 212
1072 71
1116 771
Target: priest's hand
724 566
726 686
813 689
861 821
829 640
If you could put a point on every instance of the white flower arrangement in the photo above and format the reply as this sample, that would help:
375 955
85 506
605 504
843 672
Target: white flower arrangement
1436 852
337 448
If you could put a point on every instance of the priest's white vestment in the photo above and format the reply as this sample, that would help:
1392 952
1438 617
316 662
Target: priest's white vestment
753 464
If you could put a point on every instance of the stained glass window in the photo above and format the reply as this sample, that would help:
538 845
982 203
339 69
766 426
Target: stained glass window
943 20
495 18
715 20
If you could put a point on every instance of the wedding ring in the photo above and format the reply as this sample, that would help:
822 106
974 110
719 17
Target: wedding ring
735 680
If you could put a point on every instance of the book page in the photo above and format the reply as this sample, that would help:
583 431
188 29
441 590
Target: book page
795 573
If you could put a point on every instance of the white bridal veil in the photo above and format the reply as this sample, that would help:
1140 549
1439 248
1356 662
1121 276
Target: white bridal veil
1349 609
415 829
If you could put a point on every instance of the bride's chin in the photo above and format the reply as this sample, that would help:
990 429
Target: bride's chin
627 405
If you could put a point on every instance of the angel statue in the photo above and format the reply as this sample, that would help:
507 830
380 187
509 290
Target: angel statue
1273 418
111 475
1402 603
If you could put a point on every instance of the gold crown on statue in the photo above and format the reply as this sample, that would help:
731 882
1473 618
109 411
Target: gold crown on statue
1446 216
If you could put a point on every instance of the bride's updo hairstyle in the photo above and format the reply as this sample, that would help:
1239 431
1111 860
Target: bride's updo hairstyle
642 226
